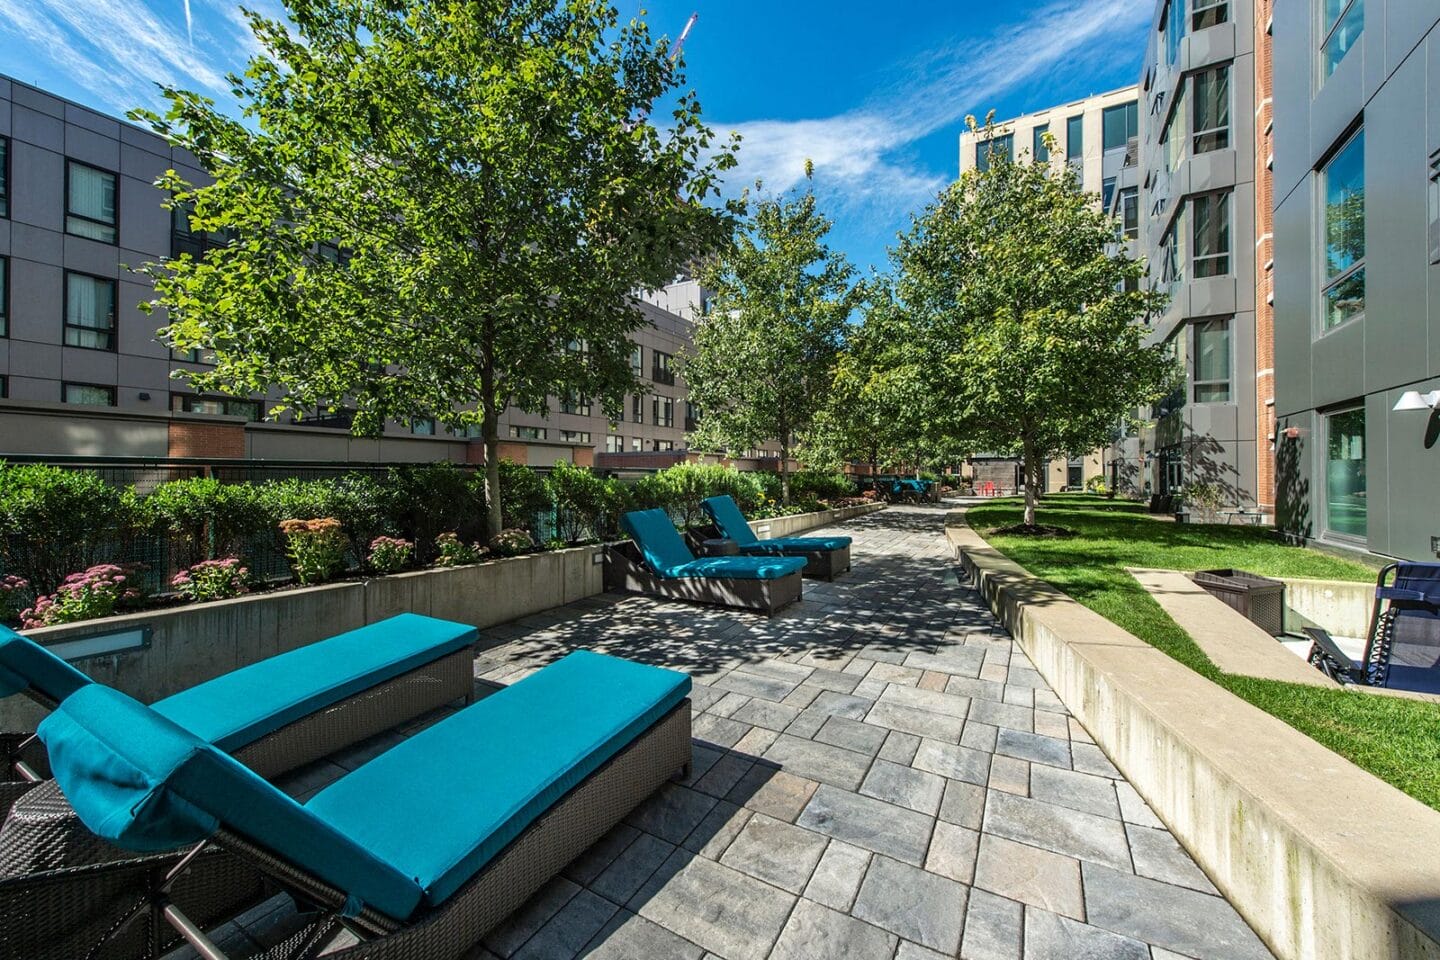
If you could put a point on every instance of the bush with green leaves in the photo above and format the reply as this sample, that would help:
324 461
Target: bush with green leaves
205 518
587 506
678 490
54 521
212 580
451 551
13 591
390 554
512 542
816 485
316 548
429 499
523 494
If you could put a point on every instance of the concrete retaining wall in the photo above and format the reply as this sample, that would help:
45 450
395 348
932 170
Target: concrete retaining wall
1340 606
800 522
1325 861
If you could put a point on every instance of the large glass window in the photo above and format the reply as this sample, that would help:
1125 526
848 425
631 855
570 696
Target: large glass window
1212 110
1173 137
4 176
1075 138
1038 150
575 404
575 436
1130 211
637 360
1435 207
90 203
89 312
1107 193
92 394
1001 146
1212 361
614 443
1174 30
527 433
1209 13
184 238
662 370
1342 188
1210 214
1345 474
1121 123
1342 24
637 408
4 296
664 411
1173 252
215 406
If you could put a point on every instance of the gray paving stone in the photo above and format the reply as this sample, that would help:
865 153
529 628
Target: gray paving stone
775 793
1186 921
932 700
724 774
977 735
776 852
1033 747
755 743
841 705
1018 695
752 685
629 936
873 824
524 923
570 929
852 735
808 723
832 679
720 909
621 879
952 852
1030 875
1088 758
1052 937
819 761
1159 856
720 731
590 864
961 661
1083 836
763 713
992 928
672 812
913 904
816 931
728 704
975 688
1010 775
953 761
913 951
921 723
905 786
717 830
837 877
1134 808
1079 791
1002 715
791 673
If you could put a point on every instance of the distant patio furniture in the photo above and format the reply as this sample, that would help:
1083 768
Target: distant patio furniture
825 557
419 852
1402 644
658 563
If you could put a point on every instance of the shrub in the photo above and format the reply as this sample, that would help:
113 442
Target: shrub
425 501
678 490
205 517
806 485
13 590
1096 484
586 505
390 554
509 543
316 548
55 521
454 552
212 580
96 592
523 495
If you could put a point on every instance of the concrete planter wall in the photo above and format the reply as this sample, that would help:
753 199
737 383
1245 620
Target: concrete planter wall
793 526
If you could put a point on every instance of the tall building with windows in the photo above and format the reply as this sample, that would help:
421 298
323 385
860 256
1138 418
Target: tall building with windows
1197 218
1095 136
1357 267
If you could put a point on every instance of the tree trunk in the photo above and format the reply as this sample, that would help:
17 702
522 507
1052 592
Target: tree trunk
785 470
1032 482
490 430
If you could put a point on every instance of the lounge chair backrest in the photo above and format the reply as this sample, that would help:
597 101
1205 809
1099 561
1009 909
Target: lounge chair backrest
147 784
658 540
727 516
25 665
1414 606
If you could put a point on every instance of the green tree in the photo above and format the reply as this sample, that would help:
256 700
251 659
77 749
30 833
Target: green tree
439 208
764 357
1013 289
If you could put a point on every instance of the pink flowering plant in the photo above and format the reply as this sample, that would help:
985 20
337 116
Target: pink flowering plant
390 554
12 595
83 596
212 580
455 552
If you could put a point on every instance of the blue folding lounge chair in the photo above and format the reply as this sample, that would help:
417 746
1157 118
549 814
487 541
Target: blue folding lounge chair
659 563
1402 646
825 557
420 851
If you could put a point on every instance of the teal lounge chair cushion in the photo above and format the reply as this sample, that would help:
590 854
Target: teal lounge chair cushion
667 555
25 664
146 784
727 516
787 545
443 803
239 708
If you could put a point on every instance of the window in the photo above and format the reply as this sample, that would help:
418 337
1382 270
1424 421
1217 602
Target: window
1001 146
575 436
692 416
1342 188
4 176
1178 349
528 433
215 406
4 388
664 411
1172 251
1121 123
89 312
1075 138
92 394
422 427
1038 151
184 238
1174 30
1212 110
1345 474
1173 137
614 443
90 203
636 444
662 368
330 418
1212 361
637 408
1130 212
1107 193
1434 209
329 252
575 404
4 296
1342 24
1209 13
578 347
637 360
661 445
1210 214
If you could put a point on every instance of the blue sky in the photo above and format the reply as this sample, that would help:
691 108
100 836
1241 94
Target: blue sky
874 93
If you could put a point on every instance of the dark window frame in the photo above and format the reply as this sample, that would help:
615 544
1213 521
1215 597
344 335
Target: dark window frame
1217 264
1333 283
1039 153
1073 154
662 369
1001 143
662 421
67 326
186 400
1196 383
65 385
4 297
70 162
1434 190
4 178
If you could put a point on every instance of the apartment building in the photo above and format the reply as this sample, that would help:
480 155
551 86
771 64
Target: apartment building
1357 268
1203 115
1094 136
82 373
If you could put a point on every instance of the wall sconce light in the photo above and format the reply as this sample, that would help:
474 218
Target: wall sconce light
1415 400
1292 433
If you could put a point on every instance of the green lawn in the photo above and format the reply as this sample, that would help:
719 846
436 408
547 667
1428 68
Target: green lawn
1396 739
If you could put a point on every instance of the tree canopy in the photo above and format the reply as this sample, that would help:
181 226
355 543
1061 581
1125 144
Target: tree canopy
438 208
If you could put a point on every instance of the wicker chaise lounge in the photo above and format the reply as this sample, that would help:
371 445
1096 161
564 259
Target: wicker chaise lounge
657 562
419 852
825 557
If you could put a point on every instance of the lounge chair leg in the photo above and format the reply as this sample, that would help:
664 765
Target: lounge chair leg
193 935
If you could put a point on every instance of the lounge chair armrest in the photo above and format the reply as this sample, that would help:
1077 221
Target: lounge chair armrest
1400 593
1326 654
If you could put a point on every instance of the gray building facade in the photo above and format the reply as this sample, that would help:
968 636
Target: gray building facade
1357 257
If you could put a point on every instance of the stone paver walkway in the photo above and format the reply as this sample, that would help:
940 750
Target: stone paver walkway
879 773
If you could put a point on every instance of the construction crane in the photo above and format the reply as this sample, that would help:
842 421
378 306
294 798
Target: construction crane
679 44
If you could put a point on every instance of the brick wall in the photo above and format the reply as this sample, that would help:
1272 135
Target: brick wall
195 438
1264 262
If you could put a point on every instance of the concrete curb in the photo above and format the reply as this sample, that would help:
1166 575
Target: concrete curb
1325 861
